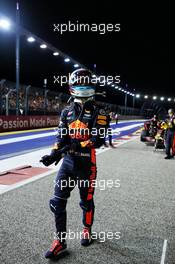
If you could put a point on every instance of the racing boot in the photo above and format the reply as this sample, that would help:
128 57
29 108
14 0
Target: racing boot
169 157
86 239
56 249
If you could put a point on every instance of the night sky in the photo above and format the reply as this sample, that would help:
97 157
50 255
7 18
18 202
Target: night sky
142 53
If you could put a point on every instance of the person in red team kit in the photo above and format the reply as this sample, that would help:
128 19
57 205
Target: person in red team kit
153 126
154 121
78 136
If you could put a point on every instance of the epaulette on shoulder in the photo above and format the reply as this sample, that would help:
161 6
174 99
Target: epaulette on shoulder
65 111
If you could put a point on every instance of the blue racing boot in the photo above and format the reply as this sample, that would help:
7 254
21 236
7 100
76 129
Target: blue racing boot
86 239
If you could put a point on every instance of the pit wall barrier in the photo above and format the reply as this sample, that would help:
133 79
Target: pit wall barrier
16 123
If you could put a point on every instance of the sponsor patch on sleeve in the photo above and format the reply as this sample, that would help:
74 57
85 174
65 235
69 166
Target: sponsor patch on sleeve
101 122
102 117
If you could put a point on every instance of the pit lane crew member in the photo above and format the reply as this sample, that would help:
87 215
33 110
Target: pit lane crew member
170 135
154 125
109 130
154 120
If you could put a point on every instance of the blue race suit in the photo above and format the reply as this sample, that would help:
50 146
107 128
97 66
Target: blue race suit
79 166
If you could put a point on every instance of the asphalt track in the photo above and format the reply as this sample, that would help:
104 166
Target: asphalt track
141 209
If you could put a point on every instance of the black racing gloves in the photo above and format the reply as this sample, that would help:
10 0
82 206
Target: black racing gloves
55 156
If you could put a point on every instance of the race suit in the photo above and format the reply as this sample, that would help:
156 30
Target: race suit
170 136
79 166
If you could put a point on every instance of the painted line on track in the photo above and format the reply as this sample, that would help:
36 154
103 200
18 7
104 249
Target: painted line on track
24 138
54 170
163 252
24 182
48 134
11 134
26 131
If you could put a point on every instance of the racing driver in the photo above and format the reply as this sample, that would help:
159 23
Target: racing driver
78 144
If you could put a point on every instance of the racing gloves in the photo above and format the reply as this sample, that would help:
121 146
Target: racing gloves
55 156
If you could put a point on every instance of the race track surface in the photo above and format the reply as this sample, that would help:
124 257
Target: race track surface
142 209
16 143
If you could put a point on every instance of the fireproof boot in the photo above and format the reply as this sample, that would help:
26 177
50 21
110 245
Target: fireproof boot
56 249
86 239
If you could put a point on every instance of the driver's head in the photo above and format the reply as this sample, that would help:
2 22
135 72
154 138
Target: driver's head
170 112
81 85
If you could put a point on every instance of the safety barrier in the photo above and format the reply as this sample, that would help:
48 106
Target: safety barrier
15 123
